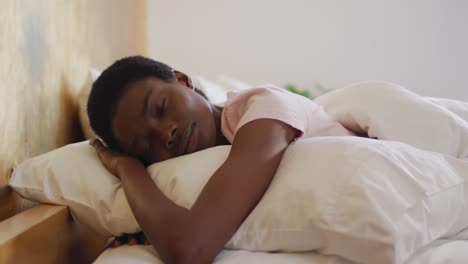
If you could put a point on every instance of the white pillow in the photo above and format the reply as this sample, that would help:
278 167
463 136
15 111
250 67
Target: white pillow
231 84
216 93
390 112
73 175
366 200
216 90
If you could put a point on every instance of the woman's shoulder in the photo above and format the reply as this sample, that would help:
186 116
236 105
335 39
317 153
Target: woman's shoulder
262 102
262 93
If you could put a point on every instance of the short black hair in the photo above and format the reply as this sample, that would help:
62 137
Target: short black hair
110 85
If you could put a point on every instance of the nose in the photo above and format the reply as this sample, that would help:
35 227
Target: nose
164 133
170 135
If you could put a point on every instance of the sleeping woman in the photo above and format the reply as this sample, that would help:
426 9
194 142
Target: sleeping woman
147 112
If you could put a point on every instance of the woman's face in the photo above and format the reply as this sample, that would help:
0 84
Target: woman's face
156 120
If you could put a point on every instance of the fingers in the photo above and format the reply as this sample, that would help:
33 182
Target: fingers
116 243
130 239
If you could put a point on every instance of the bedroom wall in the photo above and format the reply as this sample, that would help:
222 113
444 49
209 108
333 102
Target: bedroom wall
419 44
46 50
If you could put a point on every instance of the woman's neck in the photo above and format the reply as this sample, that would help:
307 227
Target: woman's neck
220 139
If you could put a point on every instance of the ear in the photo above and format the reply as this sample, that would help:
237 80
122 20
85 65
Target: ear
183 79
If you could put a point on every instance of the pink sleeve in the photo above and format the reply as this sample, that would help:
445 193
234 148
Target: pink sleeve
262 103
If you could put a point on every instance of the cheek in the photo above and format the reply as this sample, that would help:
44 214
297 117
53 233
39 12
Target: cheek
121 137
159 154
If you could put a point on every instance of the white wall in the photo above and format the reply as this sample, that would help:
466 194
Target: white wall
420 44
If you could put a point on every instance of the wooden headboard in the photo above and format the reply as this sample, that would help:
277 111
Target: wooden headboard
46 51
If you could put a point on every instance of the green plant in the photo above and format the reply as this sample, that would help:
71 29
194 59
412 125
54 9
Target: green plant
294 89
318 88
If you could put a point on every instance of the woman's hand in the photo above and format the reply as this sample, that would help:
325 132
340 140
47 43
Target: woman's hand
130 239
113 160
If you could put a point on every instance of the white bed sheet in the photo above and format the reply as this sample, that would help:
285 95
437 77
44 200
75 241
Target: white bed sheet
146 255
442 251
451 250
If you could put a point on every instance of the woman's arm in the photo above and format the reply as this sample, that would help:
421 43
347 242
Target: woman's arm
198 235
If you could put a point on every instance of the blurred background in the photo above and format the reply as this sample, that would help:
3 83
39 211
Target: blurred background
420 44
